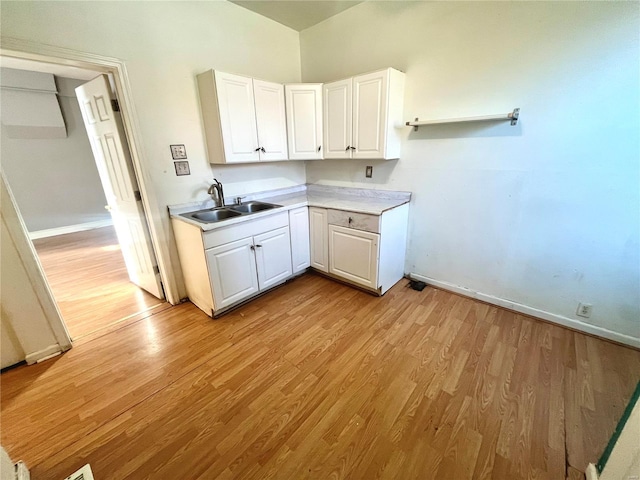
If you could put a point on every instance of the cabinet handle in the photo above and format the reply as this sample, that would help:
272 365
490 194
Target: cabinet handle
258 246
263 150
319 147
352 148
257 149
347 149
252 247
350 220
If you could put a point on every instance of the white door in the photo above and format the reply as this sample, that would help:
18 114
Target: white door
273 257
232 272
270 118
353 255
304 121
318 236
299 226
237 117
111 152
337 118
370 114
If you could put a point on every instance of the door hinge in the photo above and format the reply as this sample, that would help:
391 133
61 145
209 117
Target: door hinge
156 269
137 195
115 105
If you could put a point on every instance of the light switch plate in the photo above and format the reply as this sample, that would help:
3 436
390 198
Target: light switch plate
178 152
368 171
182 168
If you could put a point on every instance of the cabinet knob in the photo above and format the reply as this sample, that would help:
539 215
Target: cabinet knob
319 147
350 220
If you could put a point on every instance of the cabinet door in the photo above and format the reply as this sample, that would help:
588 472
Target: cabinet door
304 121
299 227
270 118
353 255
370 114
237 117
318 236
232 272
273 257
337 116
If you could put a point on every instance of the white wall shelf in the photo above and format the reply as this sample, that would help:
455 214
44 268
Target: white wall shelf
511 116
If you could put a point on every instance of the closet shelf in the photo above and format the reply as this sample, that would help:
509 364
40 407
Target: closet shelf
511 116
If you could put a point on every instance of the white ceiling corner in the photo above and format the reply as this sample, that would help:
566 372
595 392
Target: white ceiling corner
296 14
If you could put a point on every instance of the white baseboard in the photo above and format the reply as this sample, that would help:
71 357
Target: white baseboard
80 227
50 351
534 312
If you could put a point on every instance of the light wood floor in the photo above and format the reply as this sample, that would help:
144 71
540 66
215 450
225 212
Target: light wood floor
318 380
89 280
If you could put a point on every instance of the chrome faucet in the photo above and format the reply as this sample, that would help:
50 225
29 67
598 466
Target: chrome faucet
215 190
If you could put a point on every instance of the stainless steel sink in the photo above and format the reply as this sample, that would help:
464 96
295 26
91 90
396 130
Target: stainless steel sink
219 214
252 207
210 216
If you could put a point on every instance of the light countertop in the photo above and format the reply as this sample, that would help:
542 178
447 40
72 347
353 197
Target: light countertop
358 200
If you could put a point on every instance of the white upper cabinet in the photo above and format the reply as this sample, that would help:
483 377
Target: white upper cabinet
270 120
244 119
304 120
337 119
361 115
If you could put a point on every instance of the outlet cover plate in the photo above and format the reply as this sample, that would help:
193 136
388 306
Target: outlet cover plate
182 168
584 310
368 172
178 152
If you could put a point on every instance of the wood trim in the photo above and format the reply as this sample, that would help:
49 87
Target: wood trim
538 314
25 49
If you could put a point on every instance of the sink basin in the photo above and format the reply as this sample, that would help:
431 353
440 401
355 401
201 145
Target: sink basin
210 216
252 207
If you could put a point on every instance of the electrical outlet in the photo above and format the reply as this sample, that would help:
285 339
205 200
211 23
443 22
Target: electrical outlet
584 310
182 168
178 152
368 171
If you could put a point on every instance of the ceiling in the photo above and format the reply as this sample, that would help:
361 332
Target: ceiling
297 14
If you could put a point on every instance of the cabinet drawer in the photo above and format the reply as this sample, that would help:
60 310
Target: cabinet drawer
358 221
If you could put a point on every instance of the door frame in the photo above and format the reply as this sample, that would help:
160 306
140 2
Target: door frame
28 50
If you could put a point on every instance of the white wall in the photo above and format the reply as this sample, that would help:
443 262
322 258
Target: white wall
164 45
55 180
545 213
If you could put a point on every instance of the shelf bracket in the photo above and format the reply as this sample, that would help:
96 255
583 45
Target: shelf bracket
514 116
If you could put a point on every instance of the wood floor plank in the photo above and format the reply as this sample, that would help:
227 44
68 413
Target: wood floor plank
318 380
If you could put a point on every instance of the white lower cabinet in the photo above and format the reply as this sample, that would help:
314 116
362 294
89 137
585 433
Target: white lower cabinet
363 249
273 257
299 227
353 255
232 272
319 238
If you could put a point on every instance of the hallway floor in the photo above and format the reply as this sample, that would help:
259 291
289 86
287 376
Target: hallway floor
89 281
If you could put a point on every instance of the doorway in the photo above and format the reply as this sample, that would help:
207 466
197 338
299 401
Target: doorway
81 251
